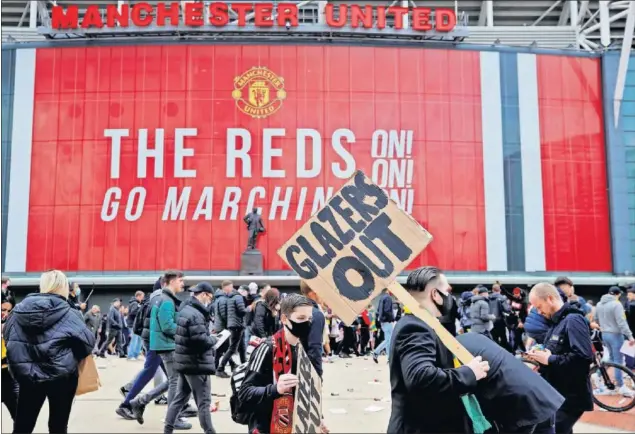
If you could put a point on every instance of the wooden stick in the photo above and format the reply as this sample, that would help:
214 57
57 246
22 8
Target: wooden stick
455 347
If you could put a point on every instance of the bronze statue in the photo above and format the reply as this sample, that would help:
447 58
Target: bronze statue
254 226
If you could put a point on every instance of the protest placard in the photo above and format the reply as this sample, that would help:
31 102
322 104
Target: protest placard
354 247
307 412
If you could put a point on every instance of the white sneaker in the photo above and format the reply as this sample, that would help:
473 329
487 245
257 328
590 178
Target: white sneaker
625 391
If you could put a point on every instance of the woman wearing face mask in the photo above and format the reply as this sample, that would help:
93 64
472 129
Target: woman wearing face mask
266 394
426 388
264 319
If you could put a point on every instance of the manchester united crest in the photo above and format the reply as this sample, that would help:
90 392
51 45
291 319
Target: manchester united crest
259 92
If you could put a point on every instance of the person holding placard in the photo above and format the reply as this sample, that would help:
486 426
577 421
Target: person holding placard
426 388
267 392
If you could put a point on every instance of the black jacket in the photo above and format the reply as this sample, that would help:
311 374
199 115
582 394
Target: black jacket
219 307
46 339
258 391
74 302
264 321
115 320
498 305
315 341
384 309
426 388
92 321
511 395
133 311
232 309
153 299
194 354
569 341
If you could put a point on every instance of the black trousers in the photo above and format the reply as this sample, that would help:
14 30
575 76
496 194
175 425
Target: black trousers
565 421
499 334
10 390
236 345
518 339
60 394
364 339
347 346
113 336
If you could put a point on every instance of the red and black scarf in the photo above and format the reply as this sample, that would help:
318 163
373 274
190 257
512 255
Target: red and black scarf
282 417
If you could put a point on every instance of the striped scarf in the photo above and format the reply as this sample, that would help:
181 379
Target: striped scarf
282 417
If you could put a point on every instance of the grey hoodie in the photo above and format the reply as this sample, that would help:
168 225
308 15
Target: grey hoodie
610 315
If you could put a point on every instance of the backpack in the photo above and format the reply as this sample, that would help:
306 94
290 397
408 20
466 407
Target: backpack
239 415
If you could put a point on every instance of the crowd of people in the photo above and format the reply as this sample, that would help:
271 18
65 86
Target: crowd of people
186 338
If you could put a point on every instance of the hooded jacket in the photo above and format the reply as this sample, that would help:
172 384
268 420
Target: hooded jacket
194 354
133 311
46 339
146 307
569 340
498 306
233 310
465 302
479 312
610 315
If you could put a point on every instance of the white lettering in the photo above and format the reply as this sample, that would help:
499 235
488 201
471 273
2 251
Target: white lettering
338 171
379 147
301 202
232 196
204 206
110 207
277 203
397 144
379 173
144 153
269 153
180 152
138 196
397 173
234 153
175 205
251 201
115 153
316 154
320 199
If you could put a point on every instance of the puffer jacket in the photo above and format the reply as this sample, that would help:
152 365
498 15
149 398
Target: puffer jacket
498 306
194 354
46 339
146 308
220 307
133 311
163 317
233 310
264 323
479 313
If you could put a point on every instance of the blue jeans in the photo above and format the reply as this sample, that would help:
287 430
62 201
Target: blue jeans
614 342
150 366
387 329
134 348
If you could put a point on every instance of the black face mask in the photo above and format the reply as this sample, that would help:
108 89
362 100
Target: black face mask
300 329
446 305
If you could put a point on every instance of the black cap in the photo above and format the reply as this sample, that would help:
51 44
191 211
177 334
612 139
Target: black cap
482 290
116 299
614 290
631 289
203 287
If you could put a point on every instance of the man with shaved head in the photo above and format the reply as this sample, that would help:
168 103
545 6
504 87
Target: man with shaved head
567 354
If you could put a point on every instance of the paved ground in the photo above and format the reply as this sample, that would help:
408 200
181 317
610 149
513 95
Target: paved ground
356 393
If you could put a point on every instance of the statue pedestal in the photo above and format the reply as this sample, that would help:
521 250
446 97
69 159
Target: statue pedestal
251 263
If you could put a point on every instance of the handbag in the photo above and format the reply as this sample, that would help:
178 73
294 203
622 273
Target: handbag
88 380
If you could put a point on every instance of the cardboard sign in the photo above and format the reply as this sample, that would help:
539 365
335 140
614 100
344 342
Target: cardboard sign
354 247
307 411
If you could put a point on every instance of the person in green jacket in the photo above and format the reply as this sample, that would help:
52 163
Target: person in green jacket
163 315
